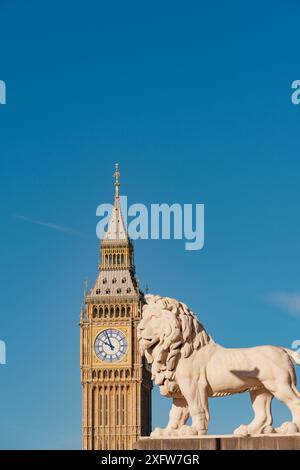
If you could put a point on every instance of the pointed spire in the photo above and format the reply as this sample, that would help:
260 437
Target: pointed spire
82 311
85 286
116 228
117 184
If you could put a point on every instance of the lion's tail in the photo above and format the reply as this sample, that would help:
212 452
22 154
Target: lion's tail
294 355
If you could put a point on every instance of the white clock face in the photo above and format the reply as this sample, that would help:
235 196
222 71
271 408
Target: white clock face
110 345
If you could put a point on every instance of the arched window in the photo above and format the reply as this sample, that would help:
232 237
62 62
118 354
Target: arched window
106 404
112 311
123 311
128 311
100 408
118 258
122 406
106 312
128 290
119 290
114 259
117 409
107 291
117 312
95 312
122 259
101 312
114 280
123 280
110 260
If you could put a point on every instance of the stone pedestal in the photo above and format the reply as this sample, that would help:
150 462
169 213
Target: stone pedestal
265 442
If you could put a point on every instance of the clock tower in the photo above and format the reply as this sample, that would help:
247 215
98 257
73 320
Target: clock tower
116 383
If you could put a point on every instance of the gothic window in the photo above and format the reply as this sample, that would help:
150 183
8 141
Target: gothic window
101 312
107 291
114 280
122 406
128 311
118 290
128 290
95 312
106 404
123 312
100 408
98 291
117 410
123 280
110 259
106 312
104 280
118 258
112 311
122 259
114 259
117 312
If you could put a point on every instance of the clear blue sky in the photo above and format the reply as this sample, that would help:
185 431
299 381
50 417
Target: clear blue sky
193 100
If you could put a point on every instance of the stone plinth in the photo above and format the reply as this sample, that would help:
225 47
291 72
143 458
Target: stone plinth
265 442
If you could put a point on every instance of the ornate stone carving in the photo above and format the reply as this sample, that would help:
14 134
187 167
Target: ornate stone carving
190 367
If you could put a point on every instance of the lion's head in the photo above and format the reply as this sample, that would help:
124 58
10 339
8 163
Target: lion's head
168 330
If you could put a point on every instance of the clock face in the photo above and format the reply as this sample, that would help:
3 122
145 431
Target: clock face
110 345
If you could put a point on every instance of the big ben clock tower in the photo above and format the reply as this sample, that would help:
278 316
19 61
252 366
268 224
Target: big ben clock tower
116 384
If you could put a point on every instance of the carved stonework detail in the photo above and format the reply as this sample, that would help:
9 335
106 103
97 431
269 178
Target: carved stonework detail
190 368
116 386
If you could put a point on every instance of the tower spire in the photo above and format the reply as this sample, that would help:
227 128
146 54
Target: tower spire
116 228
116 175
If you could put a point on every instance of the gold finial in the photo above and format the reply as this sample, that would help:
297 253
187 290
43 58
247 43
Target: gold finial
116 175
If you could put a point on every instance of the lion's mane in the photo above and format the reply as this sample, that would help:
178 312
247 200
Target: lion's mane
186 335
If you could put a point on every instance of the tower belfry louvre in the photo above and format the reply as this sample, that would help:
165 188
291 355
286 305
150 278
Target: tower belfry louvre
116 384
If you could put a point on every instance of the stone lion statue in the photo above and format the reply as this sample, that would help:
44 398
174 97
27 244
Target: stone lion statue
190 367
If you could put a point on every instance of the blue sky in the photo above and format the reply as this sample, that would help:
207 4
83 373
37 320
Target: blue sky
193 100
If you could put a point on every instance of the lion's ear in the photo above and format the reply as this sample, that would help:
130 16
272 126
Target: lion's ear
150 298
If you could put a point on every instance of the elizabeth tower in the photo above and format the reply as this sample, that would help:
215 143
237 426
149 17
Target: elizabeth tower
116 383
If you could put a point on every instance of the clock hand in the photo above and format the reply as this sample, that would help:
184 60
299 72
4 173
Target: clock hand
107 344
110 345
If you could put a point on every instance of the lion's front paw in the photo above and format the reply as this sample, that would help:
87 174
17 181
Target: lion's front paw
164 432
288 428
267 430
158 432
242 430
187 431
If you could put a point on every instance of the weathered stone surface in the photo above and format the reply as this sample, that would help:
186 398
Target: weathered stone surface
267 442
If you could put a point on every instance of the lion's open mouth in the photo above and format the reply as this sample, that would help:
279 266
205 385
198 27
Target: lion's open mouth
148 343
